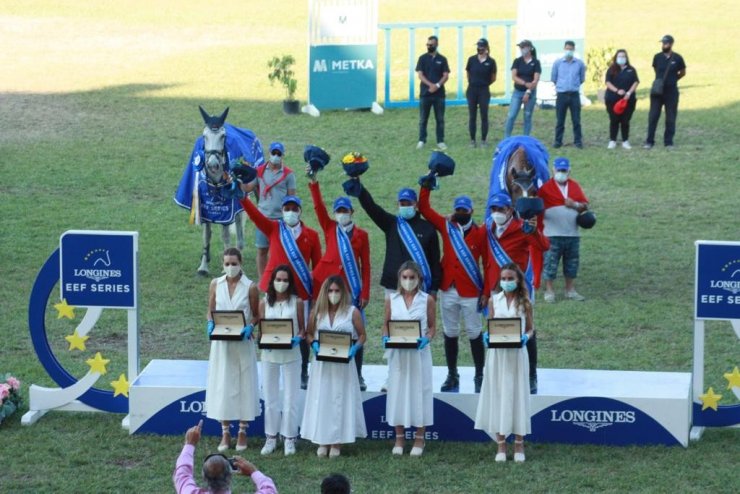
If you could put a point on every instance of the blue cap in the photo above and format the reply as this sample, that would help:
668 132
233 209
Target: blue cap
294 199
499 200
561 163
463 202
343 202
407 194
277 146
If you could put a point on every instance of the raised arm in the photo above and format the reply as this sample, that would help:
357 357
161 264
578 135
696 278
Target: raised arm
426 210
380 216
319 207
262 222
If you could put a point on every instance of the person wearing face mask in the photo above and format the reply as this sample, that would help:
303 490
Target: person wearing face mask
568 73
481 72
503 407
525 72
282 412
333 412
433 72
274 182
292 243
509 241
670 67
464 249
621 84
564 201
410 393
347 253
232 389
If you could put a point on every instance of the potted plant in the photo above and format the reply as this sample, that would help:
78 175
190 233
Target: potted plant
10 398
282 72
597 63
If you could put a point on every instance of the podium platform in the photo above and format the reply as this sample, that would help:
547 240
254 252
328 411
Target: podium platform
577 406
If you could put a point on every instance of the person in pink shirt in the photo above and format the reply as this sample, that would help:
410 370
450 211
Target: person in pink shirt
217 470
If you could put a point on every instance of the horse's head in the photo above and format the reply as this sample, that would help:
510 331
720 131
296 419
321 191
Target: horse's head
520 175
214 146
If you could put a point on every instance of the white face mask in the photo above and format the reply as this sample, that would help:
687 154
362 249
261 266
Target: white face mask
275 159
280 286
500 218
561 177
232 271
334 298
291 218
343 219
621 60
406 212
409 284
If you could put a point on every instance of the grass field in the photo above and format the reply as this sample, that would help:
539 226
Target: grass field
98 112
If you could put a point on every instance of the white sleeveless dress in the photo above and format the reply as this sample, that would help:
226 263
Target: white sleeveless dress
410 398
503 403
232 389
333 412
282 310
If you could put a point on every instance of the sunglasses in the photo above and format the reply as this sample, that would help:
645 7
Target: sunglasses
276 153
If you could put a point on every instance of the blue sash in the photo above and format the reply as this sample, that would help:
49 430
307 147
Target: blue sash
349 263
296 258
464 255
408 237
502 258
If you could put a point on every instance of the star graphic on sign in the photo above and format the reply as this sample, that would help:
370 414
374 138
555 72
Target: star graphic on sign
733 378
120 387
76 341
98 363
709 400
64 310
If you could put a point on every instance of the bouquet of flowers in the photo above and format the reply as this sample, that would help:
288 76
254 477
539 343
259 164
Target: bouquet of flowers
10 398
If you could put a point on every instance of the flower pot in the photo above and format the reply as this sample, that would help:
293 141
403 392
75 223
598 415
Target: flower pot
291 107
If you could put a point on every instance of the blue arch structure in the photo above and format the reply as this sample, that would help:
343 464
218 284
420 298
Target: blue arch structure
42 288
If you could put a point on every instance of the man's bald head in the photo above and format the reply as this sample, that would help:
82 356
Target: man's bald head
217 473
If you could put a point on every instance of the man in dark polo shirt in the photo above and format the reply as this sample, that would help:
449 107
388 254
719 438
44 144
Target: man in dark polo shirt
481 70
433 73
671 67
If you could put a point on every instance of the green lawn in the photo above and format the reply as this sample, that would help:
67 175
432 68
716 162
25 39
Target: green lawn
98 111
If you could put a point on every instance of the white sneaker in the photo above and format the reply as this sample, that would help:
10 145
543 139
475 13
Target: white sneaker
574 295
420 145
441 146
626 145
549 297
611 145
289 446
269 446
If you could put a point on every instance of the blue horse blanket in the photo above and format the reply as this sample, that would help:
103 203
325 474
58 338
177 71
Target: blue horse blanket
536 154
214 203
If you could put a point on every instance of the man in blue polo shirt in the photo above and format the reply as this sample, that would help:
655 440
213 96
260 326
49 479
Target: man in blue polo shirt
568 73
433 72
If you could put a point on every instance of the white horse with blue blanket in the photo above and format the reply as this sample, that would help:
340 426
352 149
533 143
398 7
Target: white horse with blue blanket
221 158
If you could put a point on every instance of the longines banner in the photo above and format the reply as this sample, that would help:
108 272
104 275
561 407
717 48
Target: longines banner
717 280
343 54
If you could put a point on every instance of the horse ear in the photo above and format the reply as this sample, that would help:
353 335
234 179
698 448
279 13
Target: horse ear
205 115
220 121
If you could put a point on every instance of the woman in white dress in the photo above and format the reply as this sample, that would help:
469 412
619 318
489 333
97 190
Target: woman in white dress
409 402
333 414
503 406
281 412
232 389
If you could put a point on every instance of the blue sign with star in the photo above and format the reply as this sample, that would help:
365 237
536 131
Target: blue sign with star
717 280
98 269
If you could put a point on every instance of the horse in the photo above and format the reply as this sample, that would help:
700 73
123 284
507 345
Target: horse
207 187
518 169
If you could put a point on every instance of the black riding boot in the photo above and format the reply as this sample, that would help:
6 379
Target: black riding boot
478 352
304 364
452 383
532 352
358 362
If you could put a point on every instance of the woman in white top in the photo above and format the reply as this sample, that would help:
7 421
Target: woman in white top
281 302
232 389
503 406
410 396
333 414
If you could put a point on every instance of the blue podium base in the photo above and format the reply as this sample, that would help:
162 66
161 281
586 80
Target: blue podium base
576 406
